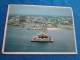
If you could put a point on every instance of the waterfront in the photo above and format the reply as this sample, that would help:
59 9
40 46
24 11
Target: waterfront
19 40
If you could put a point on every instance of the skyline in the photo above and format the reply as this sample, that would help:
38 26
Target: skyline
40 10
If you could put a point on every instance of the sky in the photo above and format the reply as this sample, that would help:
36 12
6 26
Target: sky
39 10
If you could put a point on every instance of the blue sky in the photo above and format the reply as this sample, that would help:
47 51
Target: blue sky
37 10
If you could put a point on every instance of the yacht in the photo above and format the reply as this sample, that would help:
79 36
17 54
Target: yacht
42 37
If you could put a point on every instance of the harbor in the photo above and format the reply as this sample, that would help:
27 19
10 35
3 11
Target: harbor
19 40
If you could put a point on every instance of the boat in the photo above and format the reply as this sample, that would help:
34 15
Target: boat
42 37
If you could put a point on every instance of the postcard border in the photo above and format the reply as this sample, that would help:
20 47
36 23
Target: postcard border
3 46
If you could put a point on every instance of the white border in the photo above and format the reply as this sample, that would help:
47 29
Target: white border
36 52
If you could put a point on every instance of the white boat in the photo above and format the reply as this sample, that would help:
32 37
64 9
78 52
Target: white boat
42 37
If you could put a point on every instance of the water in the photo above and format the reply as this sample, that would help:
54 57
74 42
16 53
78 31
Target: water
64 26
19 40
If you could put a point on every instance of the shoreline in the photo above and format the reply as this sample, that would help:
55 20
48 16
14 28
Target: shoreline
59 28
53 28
